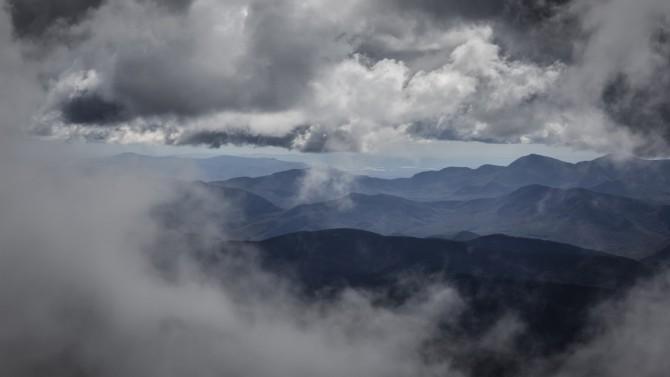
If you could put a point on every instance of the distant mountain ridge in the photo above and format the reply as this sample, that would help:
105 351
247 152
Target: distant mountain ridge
614 224
631 177
609 214
205 169
618 225
550 287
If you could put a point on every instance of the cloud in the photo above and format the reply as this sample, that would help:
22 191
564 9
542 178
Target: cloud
34 19
454 101
630 335
537 30
215 56
358 74
216 139
354 103
92 285
623 67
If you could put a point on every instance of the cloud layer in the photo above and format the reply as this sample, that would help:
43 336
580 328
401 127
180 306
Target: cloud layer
313 76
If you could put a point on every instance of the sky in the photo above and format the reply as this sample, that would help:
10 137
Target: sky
406 161
463 81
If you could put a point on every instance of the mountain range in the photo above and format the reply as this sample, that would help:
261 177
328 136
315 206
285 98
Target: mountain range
355 257
559 209
541 240
619 225
631 177
548 286
205 169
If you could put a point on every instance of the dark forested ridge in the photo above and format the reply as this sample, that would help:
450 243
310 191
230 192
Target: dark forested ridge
550 287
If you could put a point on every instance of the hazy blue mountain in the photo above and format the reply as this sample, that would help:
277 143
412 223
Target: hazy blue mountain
298 186
205 169
637 178
644 179
618 225
201 208
225 167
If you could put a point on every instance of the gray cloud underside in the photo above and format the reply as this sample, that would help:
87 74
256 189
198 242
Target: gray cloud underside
216 139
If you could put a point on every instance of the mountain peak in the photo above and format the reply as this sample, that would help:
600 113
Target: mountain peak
536 160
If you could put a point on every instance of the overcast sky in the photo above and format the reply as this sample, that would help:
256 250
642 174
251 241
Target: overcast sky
372 76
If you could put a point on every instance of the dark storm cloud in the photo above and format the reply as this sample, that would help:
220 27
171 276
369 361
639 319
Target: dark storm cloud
541 30
34 19
41 20
91 108
520 12
307 139
271 63
645 111
625 66
216 139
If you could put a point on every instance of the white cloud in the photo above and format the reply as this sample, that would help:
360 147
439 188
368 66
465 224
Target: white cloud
457 98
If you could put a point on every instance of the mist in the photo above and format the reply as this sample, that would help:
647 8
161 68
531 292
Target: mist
82 294
91 284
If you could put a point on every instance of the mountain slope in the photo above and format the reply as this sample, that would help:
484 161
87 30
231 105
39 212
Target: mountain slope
660 259
599 221
547 286
199 206
355 257
297 186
